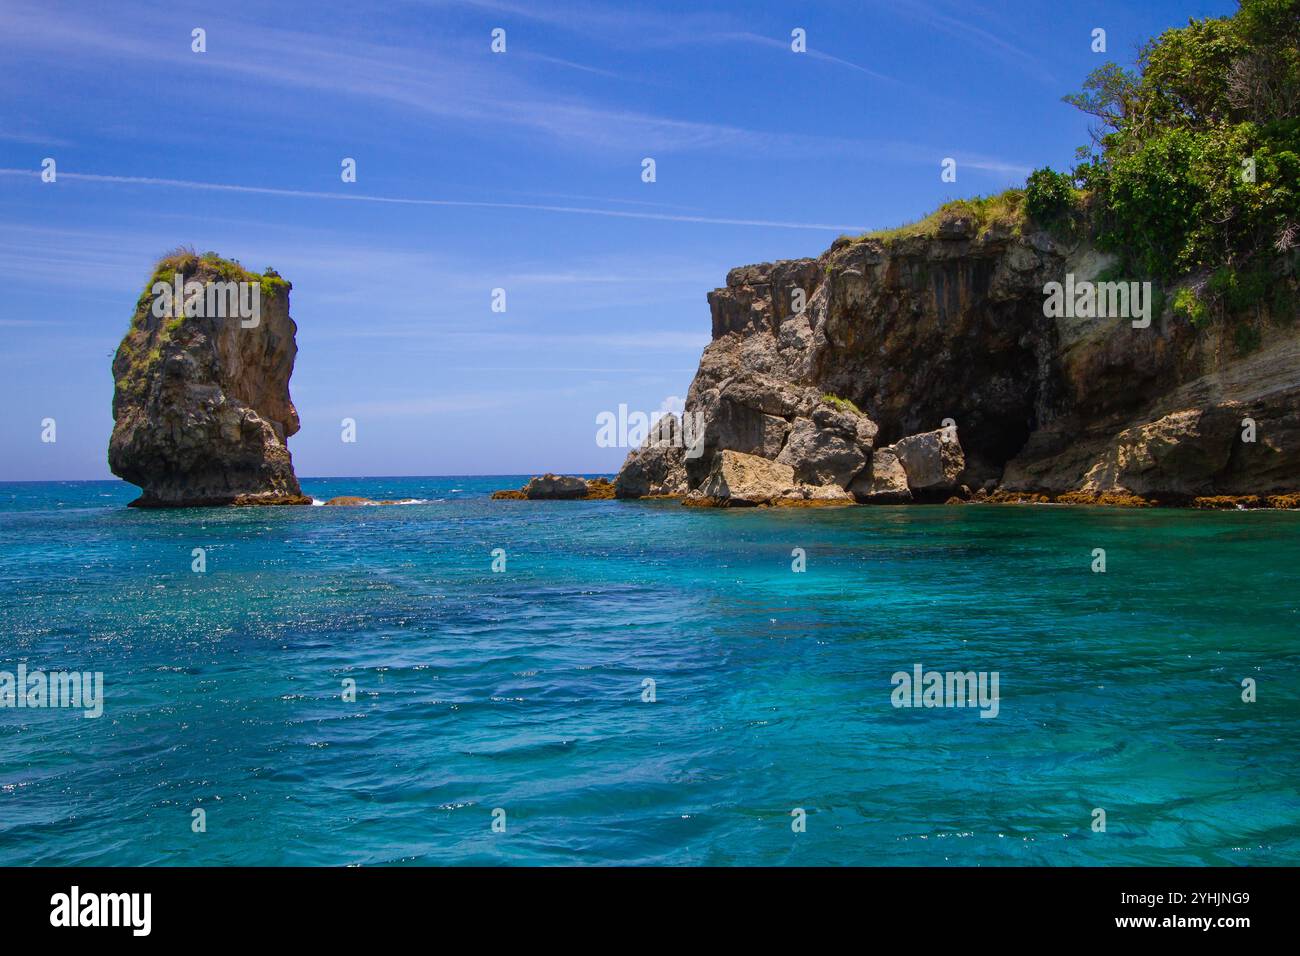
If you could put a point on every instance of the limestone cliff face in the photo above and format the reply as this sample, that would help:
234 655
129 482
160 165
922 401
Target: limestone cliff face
945 333
201 408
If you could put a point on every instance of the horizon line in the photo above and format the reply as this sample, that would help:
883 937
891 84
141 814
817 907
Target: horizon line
505 474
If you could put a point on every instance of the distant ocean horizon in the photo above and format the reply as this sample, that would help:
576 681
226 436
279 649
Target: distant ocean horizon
642 683
521 477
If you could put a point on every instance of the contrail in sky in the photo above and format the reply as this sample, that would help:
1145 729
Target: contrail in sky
398 200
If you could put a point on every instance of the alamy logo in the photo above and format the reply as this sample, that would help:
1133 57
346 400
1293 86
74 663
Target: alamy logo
923 688
75 908
75 689
215 300
1098 300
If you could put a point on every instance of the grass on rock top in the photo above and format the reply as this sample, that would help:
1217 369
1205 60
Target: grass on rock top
208 267
1006 208
142 347
841 403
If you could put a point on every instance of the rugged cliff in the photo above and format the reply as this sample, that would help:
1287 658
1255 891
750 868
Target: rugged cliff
923 364
201 408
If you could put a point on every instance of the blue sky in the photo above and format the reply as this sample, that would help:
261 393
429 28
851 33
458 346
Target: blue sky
519 170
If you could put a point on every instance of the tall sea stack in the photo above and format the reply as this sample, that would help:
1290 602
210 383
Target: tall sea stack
201 405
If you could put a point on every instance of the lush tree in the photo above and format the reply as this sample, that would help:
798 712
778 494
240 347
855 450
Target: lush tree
1196 163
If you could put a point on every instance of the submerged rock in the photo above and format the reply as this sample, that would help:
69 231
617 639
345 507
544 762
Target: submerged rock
555 487
549 487
201 406
353 501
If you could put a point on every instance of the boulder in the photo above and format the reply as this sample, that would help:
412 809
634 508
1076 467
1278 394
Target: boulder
599 489
885 482
555 487
740 479
822 456
735 427
933 461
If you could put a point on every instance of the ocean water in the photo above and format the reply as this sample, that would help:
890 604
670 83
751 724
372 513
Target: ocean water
522 690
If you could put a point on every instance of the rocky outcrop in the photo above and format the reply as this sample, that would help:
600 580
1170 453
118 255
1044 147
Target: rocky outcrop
555 487
201 407
658 468
549 487
918 366
1231 426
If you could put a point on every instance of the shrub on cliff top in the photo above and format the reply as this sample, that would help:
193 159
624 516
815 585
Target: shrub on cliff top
1050 197
1196 162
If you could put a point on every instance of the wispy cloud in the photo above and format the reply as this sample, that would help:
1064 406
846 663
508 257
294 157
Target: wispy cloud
628 25
433 81
479 92
812 53
31 139
963 29
407 201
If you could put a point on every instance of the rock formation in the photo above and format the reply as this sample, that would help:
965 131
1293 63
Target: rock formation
919 366
549 487
201 407
658 468
737 479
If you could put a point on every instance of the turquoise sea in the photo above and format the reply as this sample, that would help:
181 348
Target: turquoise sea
522 690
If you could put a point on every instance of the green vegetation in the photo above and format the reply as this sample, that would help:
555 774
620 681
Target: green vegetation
208 267
1004 210
1189 305
141 350
1051 199
841 403
1195 166
1193 172
273 284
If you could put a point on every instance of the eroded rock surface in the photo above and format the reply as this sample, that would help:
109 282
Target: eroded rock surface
658 467
201 407
740 479
918 367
